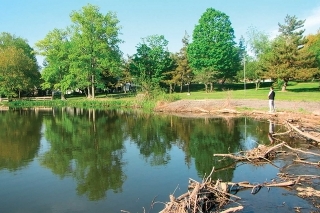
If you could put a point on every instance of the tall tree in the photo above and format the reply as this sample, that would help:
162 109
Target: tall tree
150 62
18 66
182 73
55 47
213 47
95 47
288 59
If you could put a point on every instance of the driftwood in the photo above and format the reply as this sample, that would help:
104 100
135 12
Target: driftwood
265 153
202 197
213 196
262 152
234 209
304 134
307 162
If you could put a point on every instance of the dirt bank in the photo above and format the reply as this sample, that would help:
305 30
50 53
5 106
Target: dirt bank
307 113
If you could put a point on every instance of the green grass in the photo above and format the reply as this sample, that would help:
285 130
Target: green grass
296 91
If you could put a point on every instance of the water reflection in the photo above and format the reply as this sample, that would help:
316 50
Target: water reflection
92 147
271 131
15 151
88 147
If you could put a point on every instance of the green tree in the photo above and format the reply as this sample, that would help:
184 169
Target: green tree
150 62
260 46
55 47
288 59
182 74
251 72
95 41
18 66
213 48
313 46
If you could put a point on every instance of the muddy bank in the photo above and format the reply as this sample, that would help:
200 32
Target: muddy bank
306 112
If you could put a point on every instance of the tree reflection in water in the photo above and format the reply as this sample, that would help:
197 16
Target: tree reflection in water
89 146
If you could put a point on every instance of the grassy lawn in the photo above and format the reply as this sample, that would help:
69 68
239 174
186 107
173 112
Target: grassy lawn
295 92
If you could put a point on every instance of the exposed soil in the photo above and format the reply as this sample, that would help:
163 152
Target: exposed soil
306 112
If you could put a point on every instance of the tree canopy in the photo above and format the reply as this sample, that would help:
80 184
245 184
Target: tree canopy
212 52
151 61
86 56
80 56
18 66
56 49
289 60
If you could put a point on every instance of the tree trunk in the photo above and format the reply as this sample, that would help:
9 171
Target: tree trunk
92 86
206 86
284 86
63 97
211 86
257 84
89 92
170 89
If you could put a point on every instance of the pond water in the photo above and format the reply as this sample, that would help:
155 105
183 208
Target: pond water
82 160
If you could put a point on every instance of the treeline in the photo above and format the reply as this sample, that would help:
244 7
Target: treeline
86 56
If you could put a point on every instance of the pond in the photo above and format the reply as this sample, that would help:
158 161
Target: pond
85 160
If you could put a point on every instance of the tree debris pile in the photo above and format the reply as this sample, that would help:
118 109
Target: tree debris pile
208 196
260 153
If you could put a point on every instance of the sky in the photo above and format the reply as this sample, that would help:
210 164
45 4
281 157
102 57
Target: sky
34 19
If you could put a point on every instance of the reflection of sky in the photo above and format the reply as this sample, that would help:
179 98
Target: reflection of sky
269 199
248 142
44 145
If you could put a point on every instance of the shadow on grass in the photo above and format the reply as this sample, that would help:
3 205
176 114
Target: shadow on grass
315 89
228 86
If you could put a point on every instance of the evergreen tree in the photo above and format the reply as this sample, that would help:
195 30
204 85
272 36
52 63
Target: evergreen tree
288 59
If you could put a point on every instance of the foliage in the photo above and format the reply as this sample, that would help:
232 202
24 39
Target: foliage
95 46
182 73
18 66
150 62
213 47
313 46
84 55
288 60
260 45
56 49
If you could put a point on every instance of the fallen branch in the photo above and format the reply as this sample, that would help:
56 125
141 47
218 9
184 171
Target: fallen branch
234 209
305 134
307 162
230 156
299 150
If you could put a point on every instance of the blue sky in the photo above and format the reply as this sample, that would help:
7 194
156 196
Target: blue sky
33 19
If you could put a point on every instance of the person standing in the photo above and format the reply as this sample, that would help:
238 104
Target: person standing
271 96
